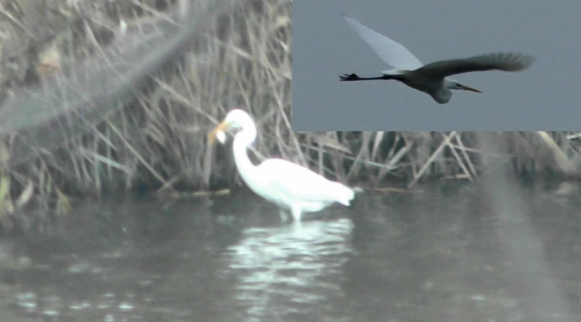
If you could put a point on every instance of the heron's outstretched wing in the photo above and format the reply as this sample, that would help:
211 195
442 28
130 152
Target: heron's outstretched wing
388 50
509 62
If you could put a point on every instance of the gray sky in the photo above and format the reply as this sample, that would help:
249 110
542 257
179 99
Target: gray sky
544 97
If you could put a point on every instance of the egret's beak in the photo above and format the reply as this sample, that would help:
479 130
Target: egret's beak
218 132
466 88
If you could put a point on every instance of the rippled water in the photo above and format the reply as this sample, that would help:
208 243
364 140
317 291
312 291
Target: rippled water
436 254
293 270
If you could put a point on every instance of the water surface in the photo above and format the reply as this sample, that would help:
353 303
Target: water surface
435 254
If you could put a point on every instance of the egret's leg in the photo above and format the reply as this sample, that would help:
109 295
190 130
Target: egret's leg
283 215
296 212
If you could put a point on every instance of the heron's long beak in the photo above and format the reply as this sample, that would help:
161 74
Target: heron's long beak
221 128
466 88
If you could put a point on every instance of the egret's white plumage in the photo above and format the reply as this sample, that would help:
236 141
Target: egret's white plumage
431 78
292 187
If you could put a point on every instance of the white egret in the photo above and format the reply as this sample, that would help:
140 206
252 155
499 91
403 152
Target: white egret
290 186
431 78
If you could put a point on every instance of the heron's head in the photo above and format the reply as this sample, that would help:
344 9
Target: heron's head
235 120
456 85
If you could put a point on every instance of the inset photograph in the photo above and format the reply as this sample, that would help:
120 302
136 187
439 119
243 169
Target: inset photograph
441 66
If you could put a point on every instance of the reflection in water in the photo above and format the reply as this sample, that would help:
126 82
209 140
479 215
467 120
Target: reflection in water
290 270
430 255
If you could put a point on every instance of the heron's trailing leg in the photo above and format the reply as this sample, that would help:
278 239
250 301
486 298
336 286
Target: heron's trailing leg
354 77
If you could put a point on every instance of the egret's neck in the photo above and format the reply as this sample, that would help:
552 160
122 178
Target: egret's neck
242 140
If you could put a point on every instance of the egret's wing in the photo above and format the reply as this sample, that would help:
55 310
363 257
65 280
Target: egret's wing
298 183
389 51
509 62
